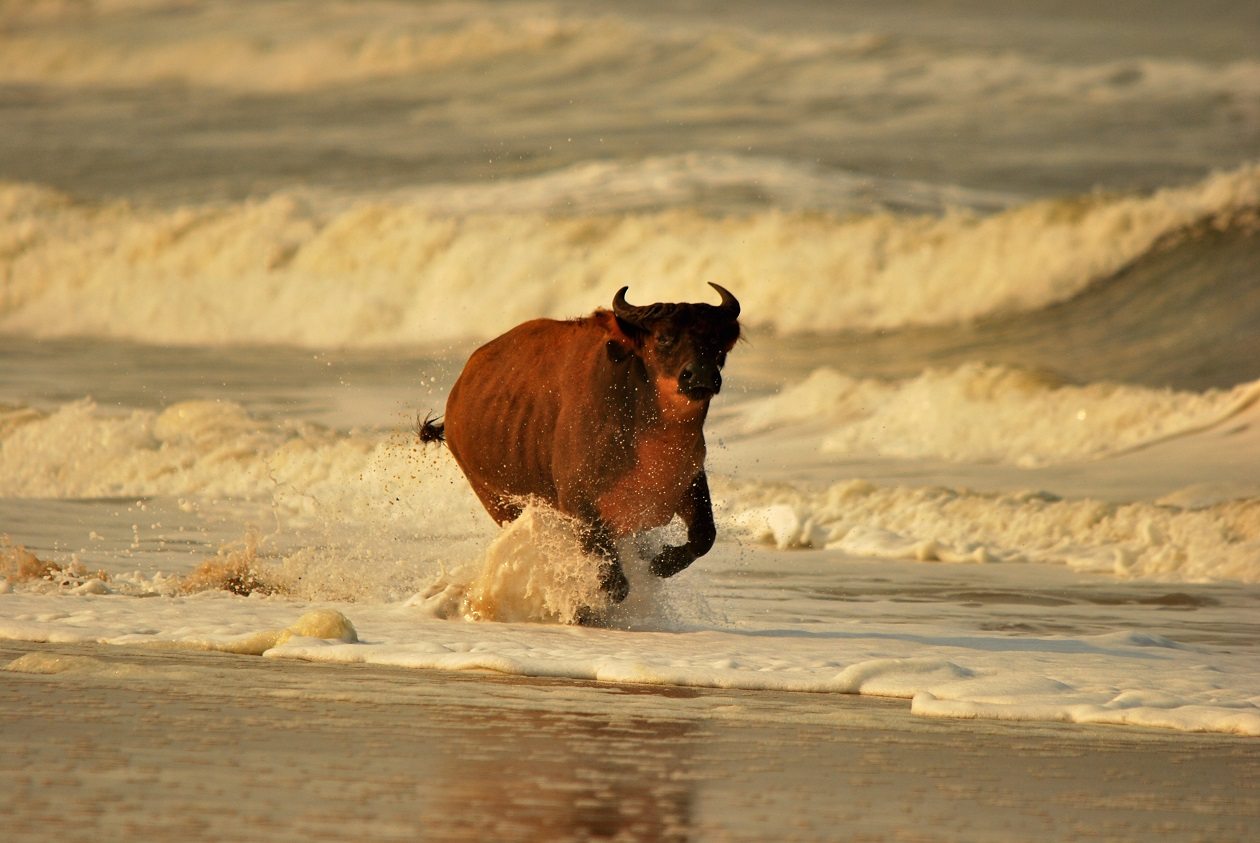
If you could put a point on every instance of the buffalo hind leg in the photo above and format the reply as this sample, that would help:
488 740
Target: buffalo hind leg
501 508
697 512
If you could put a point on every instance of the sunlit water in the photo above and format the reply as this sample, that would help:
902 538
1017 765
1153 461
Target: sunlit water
991 446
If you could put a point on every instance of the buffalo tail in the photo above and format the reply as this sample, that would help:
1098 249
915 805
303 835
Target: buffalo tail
431 429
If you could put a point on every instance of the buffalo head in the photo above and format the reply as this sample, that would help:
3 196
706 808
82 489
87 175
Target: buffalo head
682 344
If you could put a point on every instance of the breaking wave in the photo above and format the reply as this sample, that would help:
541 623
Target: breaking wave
985 413
297 269
219 46
170 42
215 450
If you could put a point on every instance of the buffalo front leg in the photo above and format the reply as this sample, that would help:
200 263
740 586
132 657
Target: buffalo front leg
697 512
597 541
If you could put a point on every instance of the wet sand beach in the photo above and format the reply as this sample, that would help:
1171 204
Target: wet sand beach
988 458
117 743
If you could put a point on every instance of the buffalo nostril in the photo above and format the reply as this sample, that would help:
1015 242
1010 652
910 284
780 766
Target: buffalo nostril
698 382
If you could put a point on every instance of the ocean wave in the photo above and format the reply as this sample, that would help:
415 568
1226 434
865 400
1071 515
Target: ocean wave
987 413
262 47
296 269
712 181
202 450
360 486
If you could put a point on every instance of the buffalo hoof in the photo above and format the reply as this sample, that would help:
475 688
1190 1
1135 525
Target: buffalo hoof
588 616
671 560
614 583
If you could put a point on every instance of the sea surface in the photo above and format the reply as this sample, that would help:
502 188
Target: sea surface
991 444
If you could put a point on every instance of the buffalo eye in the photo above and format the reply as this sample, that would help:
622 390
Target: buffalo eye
666 341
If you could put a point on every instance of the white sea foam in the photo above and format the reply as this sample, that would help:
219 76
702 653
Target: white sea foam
289 269
209 448
1129 677
1132 540
344 489
370 484
198 452
985 413
533 571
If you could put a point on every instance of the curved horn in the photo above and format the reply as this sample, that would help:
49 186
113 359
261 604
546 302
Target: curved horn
729 305
627 312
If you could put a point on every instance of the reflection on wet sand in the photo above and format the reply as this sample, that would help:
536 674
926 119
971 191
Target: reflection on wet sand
567 777
116 743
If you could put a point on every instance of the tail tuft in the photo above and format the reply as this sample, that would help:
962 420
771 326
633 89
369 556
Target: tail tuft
430 429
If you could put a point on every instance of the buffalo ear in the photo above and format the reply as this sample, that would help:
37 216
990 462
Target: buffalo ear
617 352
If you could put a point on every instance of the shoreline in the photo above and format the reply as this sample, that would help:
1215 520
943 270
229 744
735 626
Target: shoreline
106 742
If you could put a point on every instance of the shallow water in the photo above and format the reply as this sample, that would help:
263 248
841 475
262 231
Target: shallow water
224 745
991 446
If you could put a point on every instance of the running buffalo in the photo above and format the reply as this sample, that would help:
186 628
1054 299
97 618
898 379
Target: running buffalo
601 417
